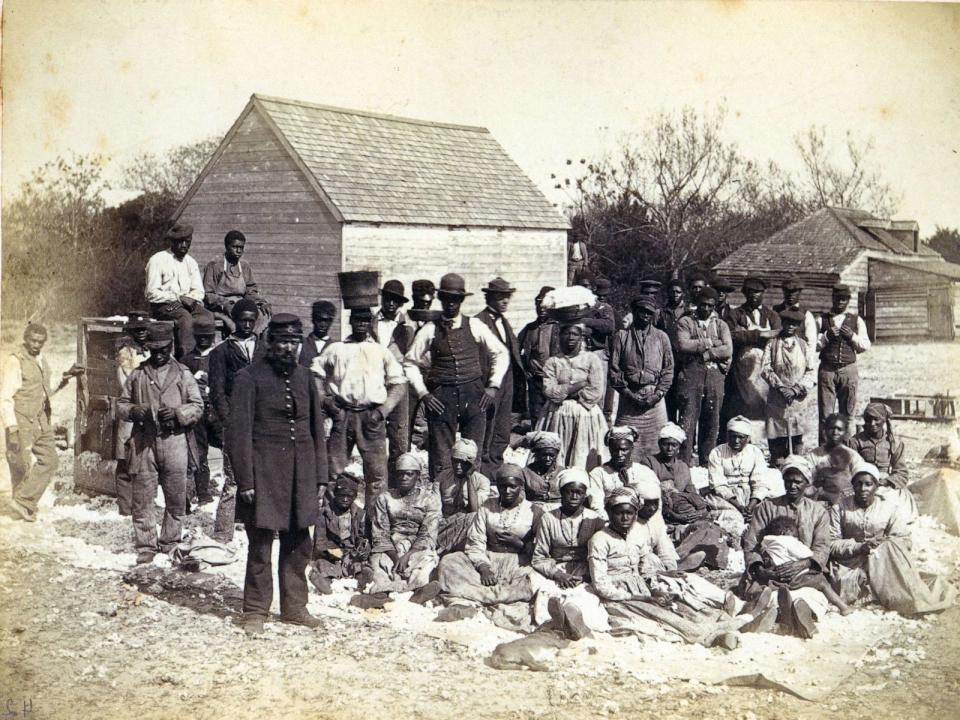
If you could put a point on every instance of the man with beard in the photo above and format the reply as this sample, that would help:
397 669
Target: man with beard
163 402
275 439
174 287
322 314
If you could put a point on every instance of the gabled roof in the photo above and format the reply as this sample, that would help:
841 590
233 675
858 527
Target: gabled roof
386 169
823 242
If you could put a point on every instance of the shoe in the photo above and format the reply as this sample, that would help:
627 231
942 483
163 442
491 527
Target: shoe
145 557
730 604
22 513
576 626
369 601
205 500
428 592
303 618
804 625
252 626
456 612
727 641
692 561
555 608
321 583
784 603
364 578
759 603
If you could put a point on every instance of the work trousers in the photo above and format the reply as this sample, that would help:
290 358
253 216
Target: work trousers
837 392
226 518
199 465
367 432
124 488
535 398
182 323
398 431
461 412
700 397
164 464
33 467
499 422
295 549
416 419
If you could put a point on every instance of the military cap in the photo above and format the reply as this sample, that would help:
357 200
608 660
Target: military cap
841 289
724 286
708 293
650 286
792 315
137 320
205 324
644 302
285 326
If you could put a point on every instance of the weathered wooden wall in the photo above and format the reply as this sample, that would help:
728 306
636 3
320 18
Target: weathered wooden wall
293 241
528 259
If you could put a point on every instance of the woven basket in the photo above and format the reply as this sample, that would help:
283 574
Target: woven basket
570 314
359 289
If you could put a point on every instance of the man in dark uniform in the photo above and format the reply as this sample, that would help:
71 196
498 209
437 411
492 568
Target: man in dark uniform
444 367
275 439
499 417
322 314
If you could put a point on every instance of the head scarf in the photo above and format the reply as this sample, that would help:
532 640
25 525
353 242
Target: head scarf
623 496
409 461
509 470
465 450
542 440
798 463
346 479
868 468
672 431
881 411
620 432
647 490
573 475
741 425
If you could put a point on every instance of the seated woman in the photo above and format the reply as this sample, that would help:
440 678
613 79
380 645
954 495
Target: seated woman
789 367
870 550
699 540
228 279
340 549
624 559
404 532
543 470
619 471
495 567
462 491
738 478
802 606
573 384
877 445
560 561
833 462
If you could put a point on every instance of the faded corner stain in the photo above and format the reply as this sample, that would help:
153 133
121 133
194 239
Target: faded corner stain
887 112
729 5
58 106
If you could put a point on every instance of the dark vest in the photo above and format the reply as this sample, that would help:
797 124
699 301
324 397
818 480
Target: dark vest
455 356
33 396
839 351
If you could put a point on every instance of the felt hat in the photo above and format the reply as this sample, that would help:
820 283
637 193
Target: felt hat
708 293
179 231
160 335
754 283
394 288
285 326
792 315
137 320
724 286
602 285
841 289
244 305
499 285
205 324
793 283
423 287
323 308
644 302
453 284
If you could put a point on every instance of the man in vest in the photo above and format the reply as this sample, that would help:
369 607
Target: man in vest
842 337
444 367
792 288
499 417
322 314
25 411
163 401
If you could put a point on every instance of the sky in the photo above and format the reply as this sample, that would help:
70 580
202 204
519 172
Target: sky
552 80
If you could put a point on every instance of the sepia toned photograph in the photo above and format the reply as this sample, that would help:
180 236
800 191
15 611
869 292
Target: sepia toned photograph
479 359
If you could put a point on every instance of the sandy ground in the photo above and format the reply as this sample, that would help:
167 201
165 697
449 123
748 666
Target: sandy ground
79 641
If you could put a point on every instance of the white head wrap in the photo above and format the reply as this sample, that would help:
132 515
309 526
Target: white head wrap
740 425
465 449
573 475
868 468
646 489
620 432
798 463
672 431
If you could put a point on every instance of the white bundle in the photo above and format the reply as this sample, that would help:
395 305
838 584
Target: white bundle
574 296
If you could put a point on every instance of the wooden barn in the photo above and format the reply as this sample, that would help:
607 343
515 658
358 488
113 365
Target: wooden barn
318 190
903 289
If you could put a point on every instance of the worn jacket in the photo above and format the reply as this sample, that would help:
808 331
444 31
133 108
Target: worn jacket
226 360
641 365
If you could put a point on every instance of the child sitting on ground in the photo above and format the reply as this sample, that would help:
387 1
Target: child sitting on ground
780 545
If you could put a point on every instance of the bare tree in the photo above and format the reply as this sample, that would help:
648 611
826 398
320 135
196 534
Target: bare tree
853 182
171 173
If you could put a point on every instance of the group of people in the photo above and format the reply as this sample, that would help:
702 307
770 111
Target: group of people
600 528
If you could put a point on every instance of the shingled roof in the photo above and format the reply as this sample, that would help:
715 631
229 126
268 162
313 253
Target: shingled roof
823 242
386 169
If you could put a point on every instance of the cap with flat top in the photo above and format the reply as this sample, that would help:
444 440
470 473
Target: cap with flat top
724 286
285 326
423 287
841 289
137 320
160 335
793 283
754 283
205 324
794 316
650 286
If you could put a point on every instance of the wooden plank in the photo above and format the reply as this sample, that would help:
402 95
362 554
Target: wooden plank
222 206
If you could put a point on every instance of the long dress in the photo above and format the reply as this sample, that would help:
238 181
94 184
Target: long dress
886 452
604 479
787 361
742 476
560 546
543 490
577 420
833 470
459 572
406 524
686 513
456 516
888 572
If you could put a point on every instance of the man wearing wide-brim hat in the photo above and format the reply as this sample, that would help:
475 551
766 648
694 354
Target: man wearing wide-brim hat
752 326
174 286
162 400
793 288
498 293
445 366
276 443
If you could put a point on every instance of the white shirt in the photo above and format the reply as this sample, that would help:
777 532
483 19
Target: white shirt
168 278
248 345
11 378
358 372
860 339
418 357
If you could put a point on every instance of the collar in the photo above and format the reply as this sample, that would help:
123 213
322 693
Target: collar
227 264
493 311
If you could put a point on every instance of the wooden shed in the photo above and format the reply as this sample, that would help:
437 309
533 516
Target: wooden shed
871 255
318 190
